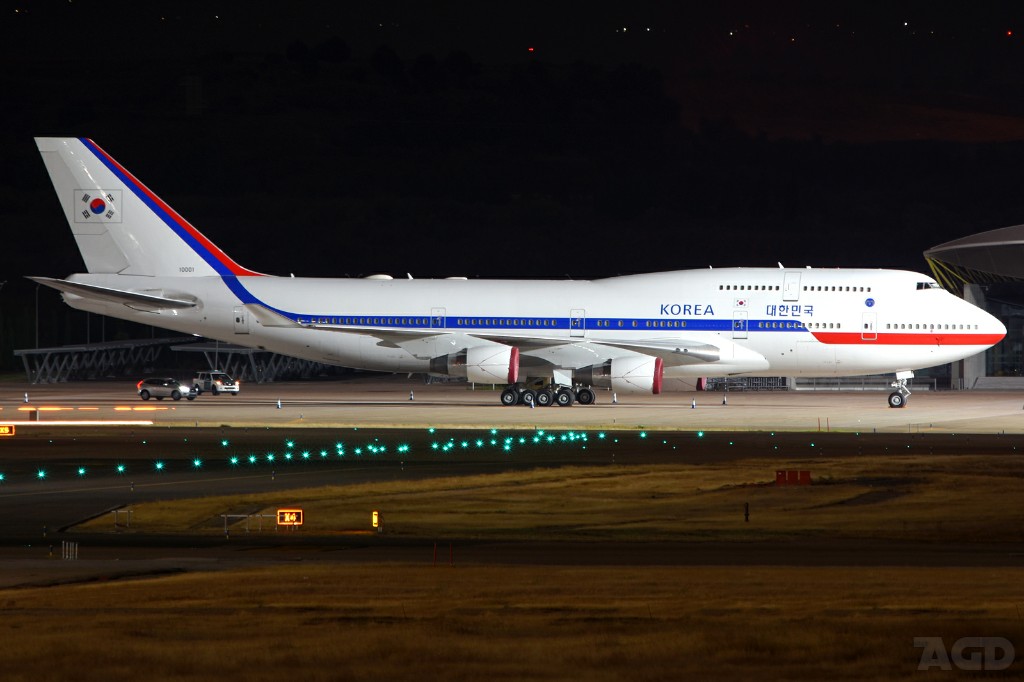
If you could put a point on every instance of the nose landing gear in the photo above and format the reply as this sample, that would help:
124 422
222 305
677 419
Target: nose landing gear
898 398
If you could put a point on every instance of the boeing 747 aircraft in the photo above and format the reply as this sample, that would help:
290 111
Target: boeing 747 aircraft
550 342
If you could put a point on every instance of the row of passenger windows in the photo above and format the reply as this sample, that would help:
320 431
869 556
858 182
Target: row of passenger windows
932 327
799 325
770 287
505 323
818 287
635 324
379 321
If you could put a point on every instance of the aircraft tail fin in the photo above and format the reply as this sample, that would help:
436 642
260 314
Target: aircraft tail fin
120 225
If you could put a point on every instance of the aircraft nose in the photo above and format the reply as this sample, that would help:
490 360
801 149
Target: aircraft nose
1000 329
995 327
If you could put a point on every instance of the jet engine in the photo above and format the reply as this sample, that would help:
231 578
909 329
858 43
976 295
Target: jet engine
491 364
632 374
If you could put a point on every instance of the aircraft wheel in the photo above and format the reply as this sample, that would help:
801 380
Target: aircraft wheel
176 394
565 398
509 397
545 398
585 396
528 397
144 395
896 399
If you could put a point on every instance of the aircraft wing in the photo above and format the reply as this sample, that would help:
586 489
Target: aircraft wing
132 299
580 352
388 337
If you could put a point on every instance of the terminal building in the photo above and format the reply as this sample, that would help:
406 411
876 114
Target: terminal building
987 269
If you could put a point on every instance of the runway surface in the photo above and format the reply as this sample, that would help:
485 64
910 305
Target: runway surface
386 402
39 512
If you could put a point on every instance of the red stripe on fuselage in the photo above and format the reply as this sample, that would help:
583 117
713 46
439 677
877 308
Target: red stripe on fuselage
903 339
225 260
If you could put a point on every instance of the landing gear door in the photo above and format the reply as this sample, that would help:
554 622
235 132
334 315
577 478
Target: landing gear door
867 330
791 287
241 316
577 323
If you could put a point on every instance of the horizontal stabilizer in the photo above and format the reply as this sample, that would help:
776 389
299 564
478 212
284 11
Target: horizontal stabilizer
134 299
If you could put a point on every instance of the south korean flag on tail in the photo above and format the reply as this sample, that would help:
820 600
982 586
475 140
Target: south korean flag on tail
739 303
97 206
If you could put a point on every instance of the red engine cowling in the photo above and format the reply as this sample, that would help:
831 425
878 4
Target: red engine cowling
490 364
632 374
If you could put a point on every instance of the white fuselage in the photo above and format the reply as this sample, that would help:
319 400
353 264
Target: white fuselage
764 321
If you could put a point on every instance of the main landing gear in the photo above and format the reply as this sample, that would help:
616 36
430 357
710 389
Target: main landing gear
563 396
898 398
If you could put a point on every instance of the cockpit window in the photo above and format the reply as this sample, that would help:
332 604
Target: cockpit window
927 285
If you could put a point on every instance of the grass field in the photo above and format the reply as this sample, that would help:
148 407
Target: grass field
318 620
929 498
329 622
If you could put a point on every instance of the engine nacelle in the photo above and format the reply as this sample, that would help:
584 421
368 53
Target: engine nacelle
491 364
633 374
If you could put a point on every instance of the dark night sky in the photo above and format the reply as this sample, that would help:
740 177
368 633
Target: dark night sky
404 136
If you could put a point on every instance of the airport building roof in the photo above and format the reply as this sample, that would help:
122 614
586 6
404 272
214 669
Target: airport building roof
983 258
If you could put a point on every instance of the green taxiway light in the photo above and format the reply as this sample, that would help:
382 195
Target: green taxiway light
601 435
288 456
159 466
3 477
252 459
323 454
224 443
197 462
700 434
643 434
81 471
234 461
430 430
120 469
358 451
479 443
305 454
41 474
289 444
270 456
